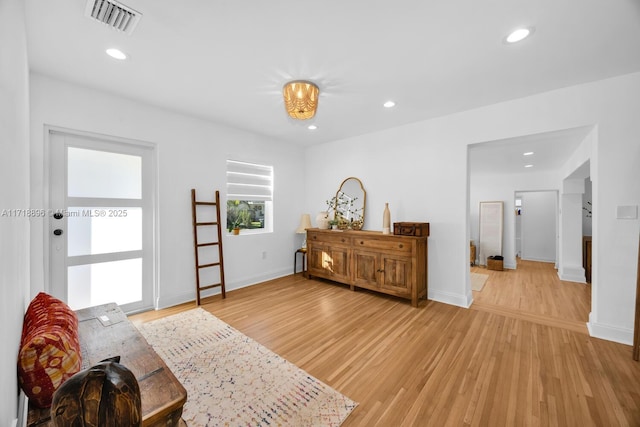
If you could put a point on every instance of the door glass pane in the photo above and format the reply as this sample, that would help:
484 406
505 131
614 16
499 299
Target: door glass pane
100 174
105 282
101 230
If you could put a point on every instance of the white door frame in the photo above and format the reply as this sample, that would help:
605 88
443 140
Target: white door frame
150 216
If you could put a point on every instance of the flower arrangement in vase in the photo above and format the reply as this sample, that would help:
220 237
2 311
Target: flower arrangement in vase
342 215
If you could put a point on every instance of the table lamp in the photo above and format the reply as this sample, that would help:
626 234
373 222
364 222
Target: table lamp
305 222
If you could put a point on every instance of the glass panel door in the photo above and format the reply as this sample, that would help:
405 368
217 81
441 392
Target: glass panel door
101 223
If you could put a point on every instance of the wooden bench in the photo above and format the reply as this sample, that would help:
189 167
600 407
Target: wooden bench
105 331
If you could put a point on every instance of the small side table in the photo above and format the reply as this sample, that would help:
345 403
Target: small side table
302 251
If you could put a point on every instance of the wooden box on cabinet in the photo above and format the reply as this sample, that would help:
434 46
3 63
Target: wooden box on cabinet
420 229
391 264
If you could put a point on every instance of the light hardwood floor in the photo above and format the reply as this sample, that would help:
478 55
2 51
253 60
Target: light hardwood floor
520 356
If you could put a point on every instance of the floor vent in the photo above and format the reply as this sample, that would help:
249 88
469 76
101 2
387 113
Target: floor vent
114 14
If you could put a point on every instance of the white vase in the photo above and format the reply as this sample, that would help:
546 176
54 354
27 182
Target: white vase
386 220
322 220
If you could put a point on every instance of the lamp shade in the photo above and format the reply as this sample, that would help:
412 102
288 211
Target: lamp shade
300 99
305 222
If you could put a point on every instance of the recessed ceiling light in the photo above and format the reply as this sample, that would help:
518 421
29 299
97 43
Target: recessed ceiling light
518 35
528 166
389 104
312 127
116 53
528 153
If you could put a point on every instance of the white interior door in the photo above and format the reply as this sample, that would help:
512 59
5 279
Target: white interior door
540 225
102 210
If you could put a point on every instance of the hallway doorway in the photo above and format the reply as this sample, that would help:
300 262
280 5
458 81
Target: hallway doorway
536 225
529 284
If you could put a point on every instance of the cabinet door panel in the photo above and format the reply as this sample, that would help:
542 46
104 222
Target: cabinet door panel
366 266
336 261
328 262
315 255
396 274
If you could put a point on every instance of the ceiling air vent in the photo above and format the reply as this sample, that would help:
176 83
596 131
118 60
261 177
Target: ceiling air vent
114 14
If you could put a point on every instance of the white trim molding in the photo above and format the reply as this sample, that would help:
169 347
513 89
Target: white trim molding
609 332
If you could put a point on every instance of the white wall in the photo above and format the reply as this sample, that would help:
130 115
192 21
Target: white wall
539 225
14 194
502 187
421 169
191 154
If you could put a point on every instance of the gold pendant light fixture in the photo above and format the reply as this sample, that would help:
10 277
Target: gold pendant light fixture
300 99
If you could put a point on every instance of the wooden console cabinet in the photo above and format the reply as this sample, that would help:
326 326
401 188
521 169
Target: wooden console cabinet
391 264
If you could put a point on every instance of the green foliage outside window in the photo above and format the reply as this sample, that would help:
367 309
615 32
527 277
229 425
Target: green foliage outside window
248 214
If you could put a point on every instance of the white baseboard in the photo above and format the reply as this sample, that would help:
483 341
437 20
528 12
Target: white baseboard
450 298
23 409
166 302
572 278
572 274
187 296
539 259
609 332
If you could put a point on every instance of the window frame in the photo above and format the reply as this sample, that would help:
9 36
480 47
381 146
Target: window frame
250 182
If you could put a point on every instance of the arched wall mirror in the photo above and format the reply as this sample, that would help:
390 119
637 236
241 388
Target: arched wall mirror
349 203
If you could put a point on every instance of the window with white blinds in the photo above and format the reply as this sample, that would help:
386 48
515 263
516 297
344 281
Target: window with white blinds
249 196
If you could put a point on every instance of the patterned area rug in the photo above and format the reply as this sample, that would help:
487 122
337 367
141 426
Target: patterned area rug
478 280
231 380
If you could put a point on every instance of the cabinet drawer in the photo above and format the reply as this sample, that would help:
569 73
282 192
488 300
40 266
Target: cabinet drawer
389 244
328 238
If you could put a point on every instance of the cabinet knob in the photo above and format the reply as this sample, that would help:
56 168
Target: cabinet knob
400 246
342 240
361 242
380 270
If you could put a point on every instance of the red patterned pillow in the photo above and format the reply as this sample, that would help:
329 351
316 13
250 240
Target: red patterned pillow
49 349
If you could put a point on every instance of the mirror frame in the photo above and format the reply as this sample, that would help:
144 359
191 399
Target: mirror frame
490 230
358 224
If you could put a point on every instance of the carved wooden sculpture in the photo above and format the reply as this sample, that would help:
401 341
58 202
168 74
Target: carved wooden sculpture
105 395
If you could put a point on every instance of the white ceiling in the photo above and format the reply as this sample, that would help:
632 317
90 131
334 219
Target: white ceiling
550 152
227 61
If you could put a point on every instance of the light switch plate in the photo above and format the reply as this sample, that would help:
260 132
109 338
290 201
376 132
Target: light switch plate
627 212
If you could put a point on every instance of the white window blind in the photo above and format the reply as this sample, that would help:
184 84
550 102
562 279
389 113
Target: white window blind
249 181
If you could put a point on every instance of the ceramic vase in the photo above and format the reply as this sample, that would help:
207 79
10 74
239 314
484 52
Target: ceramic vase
322 220
386 220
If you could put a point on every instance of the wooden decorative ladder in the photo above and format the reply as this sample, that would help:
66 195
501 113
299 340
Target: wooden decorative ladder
198 245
